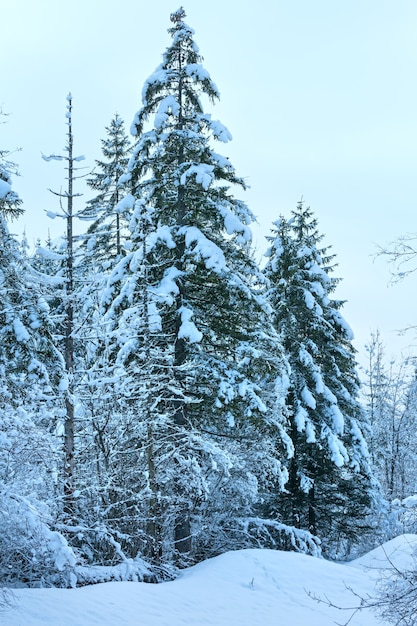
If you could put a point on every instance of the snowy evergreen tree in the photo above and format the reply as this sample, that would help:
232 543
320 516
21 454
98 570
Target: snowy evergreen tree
104 237
98 251
330 487
193 351
25 354
10 203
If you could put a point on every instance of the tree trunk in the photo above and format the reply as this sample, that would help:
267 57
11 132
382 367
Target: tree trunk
312 518
182 529
69 505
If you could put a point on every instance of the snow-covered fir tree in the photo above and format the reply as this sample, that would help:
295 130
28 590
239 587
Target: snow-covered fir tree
96 255
98 251
104 238
194 356
330 488
27 349
10 203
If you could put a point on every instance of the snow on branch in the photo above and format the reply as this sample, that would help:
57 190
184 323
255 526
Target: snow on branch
204 249
5 188
234 225
53 157
286 537
204 175
168 106
168 287
159 77
188 329
219 130
197 71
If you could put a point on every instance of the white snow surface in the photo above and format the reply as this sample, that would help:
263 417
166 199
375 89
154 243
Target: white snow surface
243 588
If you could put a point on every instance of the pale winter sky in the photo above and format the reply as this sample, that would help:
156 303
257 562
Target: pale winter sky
320 97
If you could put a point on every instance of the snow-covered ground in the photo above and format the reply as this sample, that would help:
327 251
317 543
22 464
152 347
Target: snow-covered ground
243 588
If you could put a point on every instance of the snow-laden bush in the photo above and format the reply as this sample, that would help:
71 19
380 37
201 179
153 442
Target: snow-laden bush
30 552
398 517
104 555
396 600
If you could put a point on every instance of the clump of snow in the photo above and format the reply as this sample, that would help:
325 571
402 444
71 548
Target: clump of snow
300 418
48 254
337 419
20 331
343 325
63 384
360 440
233 225
51 214
219 130
204 249
309 299
203 174
53 157
168 106
5 188
308 398
197 71
310 432
338 452
159 76
168 288
410 502
125 204
226 390
188 329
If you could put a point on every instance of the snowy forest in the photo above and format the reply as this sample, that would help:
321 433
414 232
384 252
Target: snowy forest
164 397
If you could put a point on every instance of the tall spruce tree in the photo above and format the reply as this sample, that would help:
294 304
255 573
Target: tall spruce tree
98 250
330 487
10 203
104 238
194 353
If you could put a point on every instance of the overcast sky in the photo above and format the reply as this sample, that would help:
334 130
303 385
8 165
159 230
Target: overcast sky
319 95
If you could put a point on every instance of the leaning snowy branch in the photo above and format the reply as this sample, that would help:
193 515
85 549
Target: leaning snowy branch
293 538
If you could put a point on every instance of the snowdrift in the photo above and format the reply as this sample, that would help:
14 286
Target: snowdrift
243 588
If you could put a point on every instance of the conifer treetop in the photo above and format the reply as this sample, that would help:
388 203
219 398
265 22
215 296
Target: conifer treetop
10 203
178 15
181 71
